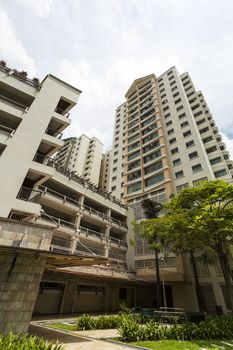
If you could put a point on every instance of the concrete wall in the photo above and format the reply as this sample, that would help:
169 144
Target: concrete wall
20 276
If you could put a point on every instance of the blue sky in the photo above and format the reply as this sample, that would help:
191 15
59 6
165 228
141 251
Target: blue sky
101 46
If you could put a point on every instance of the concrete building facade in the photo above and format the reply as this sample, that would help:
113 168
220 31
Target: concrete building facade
52 218
83 155
165 139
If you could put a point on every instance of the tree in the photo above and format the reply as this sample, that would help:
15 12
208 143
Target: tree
207 209
152 210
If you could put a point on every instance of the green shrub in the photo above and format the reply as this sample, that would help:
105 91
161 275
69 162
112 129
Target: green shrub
19 342
87 322
212 328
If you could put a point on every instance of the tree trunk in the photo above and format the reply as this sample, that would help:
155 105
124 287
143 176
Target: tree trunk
227 274
158 287
199 292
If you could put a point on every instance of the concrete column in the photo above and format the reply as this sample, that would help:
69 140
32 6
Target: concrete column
69 297
20 276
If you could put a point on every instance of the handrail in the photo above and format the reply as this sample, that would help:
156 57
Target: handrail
13 102
72 175
6 129
62 112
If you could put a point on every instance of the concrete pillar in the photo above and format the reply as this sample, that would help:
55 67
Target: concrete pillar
20 276
69 297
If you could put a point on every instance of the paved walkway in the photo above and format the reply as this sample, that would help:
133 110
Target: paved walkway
80 340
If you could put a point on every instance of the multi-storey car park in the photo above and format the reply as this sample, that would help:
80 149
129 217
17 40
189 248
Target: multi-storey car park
53 218
165 139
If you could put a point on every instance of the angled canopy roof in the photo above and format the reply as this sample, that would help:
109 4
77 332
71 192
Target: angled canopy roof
136 82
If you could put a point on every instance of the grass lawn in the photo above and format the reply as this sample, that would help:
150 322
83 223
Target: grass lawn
66 327
186 345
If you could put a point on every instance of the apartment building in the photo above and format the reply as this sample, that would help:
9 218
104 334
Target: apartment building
39 192
105 170
165 139
82 155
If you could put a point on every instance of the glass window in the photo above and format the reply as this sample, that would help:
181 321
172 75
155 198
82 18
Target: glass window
179 174
176 162
196 167
174 150
184 124
215 160
211 149
152 156
153 167
134 187
190 144
134 175
172 141
187 133
220 173
154 179
193 155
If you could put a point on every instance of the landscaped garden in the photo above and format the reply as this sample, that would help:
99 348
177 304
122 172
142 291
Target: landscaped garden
215 332
19 342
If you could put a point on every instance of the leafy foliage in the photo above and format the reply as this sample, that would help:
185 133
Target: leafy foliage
18 342
212 328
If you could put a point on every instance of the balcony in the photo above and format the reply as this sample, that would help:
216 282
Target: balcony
54 133
11 107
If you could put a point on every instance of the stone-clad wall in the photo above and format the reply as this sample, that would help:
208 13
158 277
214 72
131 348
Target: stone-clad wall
20 277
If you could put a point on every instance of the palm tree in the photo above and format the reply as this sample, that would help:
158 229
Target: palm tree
152 210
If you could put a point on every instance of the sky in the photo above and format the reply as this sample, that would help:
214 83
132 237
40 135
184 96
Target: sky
102 46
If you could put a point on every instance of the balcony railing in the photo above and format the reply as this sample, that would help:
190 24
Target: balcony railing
82 230
12 102
72 175
29 195
7 130
54 133
62 112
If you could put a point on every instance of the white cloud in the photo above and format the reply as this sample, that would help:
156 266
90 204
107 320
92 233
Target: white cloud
40 7
11 48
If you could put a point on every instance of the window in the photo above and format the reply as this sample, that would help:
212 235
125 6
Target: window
134 187
220 173
207 139
150 137
134 175
195 107
171 77
169 123
181 116
164 102
178 100
172 141
179 174
215 160
190 144
165 108
193 155
190 94
153 167
211 149
114 178
134 155
179 108
196 168
154 179
151 146
202 131
195 182
197 114
184 124
162 90
162 96
113 188
152 156
176 162
181 187
170 72
171 131
187 133
172 82
201 121
167 115
174 150
134 164
176 94
174 88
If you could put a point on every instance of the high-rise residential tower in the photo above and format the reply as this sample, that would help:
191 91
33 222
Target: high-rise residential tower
165 139
83 155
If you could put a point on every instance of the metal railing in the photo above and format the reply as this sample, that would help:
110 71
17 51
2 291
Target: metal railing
29 195
54 133
7 130
18 75
72 175
64 198
117 241
89 232
62 112
13 102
